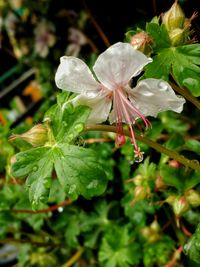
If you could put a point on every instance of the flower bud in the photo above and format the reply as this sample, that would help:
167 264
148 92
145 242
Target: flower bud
193 197
138 179
177 36
180 205
155 226
152 232
170 200
174 18
36 136
142 42
174 163
159 183
141 192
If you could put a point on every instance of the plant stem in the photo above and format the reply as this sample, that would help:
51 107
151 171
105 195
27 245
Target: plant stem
49 209
74 258
194 164
186 94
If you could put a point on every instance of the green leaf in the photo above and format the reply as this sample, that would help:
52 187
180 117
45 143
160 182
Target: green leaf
192 145
172 177
37 165
158 253
192 248
116 250
77 169
159 34
72 232
182 61
66 121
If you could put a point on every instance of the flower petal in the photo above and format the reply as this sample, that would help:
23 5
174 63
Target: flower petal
100 106
152 96
75 76
118 64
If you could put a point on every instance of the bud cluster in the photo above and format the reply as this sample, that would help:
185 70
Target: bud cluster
177 24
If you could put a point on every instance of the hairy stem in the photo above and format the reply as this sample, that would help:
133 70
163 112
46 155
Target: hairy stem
194 164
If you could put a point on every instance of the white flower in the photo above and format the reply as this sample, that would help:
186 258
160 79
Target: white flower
44 38
111 96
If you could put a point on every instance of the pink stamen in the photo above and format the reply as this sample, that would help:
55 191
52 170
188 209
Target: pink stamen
124 110
120 138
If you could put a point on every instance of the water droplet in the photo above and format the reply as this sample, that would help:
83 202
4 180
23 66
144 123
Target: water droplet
91 94
34 205
139 159
138 156
69 108
47 182
163 86
42 198
69 138
79 127
60 209
92 184
190 82
35 168
147 93
72 188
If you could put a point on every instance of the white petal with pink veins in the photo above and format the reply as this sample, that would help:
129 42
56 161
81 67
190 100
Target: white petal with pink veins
152 96
100 106
118 64
75 76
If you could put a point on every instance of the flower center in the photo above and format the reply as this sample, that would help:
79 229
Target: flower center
126 112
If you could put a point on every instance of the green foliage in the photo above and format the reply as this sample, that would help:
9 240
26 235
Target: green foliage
77 168
192 248
181 61
158 253
117 249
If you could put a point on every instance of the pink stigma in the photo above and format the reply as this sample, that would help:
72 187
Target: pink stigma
127 113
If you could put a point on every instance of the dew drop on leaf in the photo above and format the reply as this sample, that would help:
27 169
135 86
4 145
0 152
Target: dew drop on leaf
35 168
72 189
47 182
93 184
70 137
79 127
69 108
34 205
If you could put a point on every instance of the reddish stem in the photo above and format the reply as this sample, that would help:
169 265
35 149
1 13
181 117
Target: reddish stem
49 209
